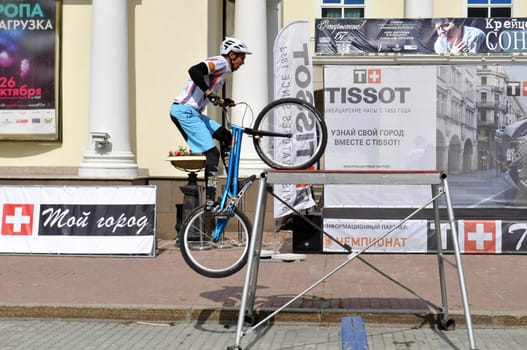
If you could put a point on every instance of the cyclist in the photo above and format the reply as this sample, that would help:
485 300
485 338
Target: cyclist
198 130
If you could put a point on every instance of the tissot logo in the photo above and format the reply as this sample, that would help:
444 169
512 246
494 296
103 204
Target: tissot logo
17 219
516 88
367 76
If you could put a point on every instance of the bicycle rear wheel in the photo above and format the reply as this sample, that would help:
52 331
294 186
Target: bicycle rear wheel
215 259
304 125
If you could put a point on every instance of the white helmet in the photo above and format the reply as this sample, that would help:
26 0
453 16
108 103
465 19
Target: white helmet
234 45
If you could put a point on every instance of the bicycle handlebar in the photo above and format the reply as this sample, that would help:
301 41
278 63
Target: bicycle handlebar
224 102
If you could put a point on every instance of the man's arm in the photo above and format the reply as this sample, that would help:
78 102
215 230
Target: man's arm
197 74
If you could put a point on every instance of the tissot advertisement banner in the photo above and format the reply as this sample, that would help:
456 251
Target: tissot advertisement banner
420 236
379 118
28 69
293 77
480 141
482 237
78 220
468 120
420 36
359 234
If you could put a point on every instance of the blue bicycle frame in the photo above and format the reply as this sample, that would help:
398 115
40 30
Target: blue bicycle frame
231 194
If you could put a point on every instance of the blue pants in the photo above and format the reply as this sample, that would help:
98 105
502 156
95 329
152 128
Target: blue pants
197 127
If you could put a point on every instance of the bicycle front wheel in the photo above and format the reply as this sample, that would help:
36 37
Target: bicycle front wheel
215 258
306 134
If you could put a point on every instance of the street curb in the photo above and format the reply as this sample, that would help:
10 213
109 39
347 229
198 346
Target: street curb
229 315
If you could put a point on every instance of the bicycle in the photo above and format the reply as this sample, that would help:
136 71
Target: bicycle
218 246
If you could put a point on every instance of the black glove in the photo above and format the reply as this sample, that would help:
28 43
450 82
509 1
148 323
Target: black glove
227 102
214 99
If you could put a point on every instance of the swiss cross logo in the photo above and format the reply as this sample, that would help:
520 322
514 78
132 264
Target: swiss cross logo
374 76
481 236
17 219
370 76
524 88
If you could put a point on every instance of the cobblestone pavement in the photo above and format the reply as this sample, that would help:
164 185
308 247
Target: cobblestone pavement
29 334
65 302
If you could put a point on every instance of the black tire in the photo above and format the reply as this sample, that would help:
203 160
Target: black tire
215 259
299 119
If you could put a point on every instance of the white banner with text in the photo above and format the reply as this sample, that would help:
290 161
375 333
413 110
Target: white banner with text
78 220
379 118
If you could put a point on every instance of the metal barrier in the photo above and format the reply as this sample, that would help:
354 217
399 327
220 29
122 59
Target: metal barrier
436 179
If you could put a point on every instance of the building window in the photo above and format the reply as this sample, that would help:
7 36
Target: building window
342 8
489 8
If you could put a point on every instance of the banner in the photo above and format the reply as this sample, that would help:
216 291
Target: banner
28 69
78 220
420 36
293 77
420 236
379 118
408 238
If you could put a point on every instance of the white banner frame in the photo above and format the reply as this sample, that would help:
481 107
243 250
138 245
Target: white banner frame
67 227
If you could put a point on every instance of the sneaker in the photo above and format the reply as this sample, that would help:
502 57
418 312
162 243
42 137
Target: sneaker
212 209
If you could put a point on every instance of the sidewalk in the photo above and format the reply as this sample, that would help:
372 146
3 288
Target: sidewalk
165 289
118 335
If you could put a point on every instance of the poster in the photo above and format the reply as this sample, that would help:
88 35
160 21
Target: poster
28 70
421 36
480 140
379 118
471 120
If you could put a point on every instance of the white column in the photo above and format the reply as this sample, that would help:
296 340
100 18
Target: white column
419 8
250 82
108 109
274 24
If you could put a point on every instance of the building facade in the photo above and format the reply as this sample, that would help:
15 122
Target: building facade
163 40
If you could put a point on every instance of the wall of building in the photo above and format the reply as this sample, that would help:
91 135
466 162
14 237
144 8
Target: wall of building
386 9
449 8
164 42
167 42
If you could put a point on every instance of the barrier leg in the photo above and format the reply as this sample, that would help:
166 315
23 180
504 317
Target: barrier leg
253 262
461 276
446 323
